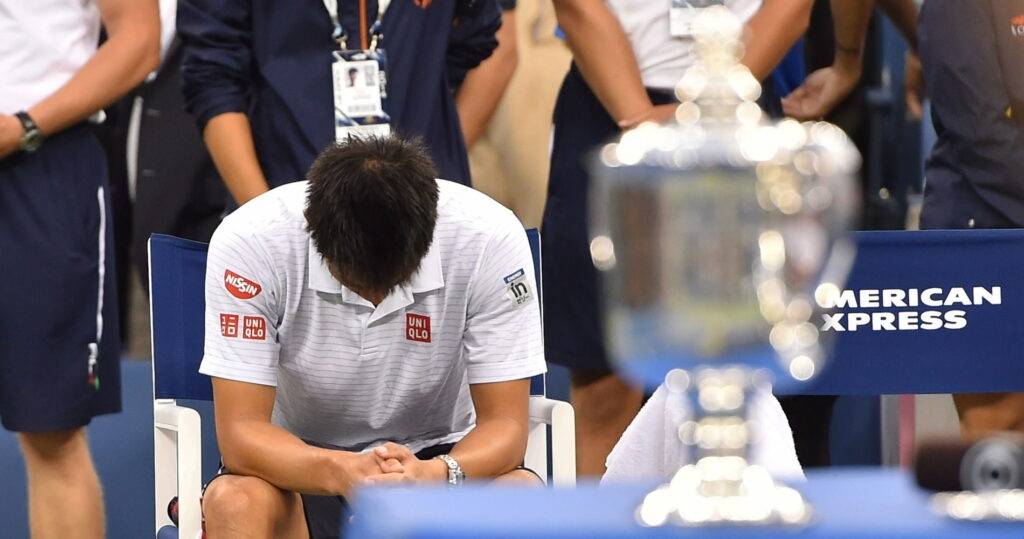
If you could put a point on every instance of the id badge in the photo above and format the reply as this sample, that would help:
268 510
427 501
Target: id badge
682 13
360 94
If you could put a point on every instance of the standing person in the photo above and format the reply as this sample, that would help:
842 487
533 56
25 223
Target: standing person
177 189
266 80
627 60
59 349
972 54
370 323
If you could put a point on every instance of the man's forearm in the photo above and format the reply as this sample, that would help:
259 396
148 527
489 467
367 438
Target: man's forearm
484 85
131 51
772 31
492 448
273 454
604 56
903 14
229 138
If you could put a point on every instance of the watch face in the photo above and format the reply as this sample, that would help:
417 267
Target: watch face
33 137
455 474
31 141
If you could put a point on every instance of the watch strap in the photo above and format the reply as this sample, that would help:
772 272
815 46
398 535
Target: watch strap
33 136
455 474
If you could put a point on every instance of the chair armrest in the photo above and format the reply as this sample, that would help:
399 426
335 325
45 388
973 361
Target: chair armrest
177 448
561 417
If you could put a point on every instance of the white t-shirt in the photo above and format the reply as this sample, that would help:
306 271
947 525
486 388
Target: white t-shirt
355 376
663 59
42 44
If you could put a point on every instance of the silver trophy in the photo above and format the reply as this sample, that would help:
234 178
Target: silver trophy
721 238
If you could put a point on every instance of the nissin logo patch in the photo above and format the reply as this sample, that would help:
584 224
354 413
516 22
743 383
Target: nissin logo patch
239 286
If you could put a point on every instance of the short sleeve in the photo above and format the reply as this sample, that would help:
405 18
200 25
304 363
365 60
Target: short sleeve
503 336
242 295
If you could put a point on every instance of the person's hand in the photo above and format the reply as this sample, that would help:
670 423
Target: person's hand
658 114
820 92
409 467
913 85
10 134
356 468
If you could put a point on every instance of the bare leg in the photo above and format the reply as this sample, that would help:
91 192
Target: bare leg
605 405
981 413
64 494
239 506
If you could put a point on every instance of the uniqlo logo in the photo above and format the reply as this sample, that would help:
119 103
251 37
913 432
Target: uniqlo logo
254 327
417 327
229 325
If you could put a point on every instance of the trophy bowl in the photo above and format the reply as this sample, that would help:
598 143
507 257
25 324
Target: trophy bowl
721 244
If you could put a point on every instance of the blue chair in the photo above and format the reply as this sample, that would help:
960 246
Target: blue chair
176 276
177 270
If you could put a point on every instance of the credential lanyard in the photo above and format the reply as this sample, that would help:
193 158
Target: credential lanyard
340 35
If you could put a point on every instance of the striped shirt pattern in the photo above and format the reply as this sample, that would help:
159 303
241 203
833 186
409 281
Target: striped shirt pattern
352 375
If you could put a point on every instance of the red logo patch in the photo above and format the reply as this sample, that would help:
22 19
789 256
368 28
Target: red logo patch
1017 26
422 4
417 327
229 325
254 327
239 286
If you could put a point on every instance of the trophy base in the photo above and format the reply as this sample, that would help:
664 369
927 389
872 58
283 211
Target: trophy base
721 486
723 491
998 505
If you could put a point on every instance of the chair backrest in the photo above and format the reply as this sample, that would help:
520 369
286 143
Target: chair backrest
177 314
177 277
538 384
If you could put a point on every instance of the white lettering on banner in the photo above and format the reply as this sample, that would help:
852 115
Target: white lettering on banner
909 320
912 297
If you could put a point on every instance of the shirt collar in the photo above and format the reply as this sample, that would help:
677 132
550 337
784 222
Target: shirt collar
428 277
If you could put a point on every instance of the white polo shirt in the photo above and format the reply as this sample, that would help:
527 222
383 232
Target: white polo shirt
353 375
664 59
43 43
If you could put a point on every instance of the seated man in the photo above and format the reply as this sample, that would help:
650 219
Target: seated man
371 324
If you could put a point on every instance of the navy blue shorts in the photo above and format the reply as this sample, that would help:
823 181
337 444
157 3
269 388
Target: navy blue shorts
59 349
573 334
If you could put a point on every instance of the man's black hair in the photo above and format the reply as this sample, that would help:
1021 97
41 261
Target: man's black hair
371 209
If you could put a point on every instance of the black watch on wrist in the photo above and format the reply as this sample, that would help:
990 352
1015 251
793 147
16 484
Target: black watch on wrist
33 137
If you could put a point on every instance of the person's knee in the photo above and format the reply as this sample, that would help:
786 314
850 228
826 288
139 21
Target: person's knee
604 396
519 477
54 446
981 414
231 497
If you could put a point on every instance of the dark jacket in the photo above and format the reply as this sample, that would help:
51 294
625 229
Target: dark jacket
972 53
272 59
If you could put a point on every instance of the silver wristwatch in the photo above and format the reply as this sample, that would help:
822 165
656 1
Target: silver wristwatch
455 474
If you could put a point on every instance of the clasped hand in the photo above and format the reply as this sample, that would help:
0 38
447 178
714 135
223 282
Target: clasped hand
394 463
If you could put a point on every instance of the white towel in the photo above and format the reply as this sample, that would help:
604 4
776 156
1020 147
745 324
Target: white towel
651 449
